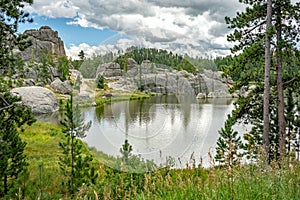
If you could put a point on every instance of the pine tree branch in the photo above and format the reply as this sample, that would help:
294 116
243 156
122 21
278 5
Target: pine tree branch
6 107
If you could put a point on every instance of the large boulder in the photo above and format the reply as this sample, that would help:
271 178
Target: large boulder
43 39
61 87
131 63
40 100
109 70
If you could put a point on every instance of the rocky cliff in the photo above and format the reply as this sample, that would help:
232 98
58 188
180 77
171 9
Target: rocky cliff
153 79
43 39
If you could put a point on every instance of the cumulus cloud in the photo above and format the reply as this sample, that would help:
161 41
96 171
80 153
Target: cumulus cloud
191 26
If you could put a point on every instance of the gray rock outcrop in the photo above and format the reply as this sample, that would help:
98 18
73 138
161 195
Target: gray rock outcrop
40 100
109 70
61 87
43 39
131 63
149 77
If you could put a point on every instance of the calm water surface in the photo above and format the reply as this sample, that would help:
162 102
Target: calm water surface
177 126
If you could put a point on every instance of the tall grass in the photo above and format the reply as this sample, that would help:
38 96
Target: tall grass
42 180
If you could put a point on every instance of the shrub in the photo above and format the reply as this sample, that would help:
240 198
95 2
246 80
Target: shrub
100 82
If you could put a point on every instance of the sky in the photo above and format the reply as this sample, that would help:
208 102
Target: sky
193 27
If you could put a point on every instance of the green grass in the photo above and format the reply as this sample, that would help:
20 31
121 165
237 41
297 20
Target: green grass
241 182
42 143
120 97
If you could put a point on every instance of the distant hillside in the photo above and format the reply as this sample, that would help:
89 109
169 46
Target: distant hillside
161 58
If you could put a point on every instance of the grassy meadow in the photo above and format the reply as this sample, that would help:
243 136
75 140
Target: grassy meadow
42 180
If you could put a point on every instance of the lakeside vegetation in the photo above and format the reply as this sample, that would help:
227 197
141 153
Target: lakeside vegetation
45 161
241 182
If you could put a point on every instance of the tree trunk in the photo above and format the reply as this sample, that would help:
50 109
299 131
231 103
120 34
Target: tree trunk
266 120
72 164
281 118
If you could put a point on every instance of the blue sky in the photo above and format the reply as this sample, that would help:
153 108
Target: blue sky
70 34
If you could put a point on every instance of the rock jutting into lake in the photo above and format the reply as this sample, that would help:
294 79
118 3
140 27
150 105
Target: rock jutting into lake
147 77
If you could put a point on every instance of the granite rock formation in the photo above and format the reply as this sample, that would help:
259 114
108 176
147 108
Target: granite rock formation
43 39
41 100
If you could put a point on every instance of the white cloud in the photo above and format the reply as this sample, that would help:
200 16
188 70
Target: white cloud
59 8
196 26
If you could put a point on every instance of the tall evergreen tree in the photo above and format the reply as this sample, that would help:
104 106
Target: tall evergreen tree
261 21
12 159
267 87
286 21
74 165
12 113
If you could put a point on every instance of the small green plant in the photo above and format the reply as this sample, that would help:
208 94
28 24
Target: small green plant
100 82
228 144
126 152
63 67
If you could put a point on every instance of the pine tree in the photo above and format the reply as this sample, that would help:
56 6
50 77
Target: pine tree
126 152
100 81
12 113
81 55
261 22
12 159
63 67
228 144
286 19
74 165
45 62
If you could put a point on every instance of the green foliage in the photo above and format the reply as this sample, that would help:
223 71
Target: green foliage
89 67
75 166
128 162
123 61
248 109
63 67
246 68
76 63
43 68
12 159
126 152
100 82
11 14
250 35
223 62
77 83
203 63
228 144
42 180
161 57
81 55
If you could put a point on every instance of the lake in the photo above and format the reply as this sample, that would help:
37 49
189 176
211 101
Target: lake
178 126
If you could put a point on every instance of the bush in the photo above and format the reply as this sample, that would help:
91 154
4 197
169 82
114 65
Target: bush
100 82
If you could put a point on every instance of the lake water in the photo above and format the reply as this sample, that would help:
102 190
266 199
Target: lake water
178 126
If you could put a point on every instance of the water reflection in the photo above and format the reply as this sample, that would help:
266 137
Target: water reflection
162 126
